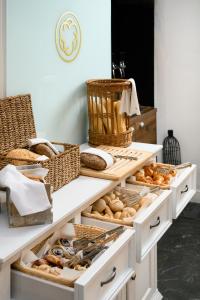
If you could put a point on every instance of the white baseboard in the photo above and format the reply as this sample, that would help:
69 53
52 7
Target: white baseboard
196 197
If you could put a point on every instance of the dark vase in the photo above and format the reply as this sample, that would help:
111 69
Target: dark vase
171 150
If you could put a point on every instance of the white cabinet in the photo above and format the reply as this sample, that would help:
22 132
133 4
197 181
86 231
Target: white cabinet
145 283
103 280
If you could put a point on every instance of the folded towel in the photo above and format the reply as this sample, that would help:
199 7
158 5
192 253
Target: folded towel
36 141
28 196
129 101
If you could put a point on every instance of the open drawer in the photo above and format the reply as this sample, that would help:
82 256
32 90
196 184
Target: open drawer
183 189
150 224
183 184
102 280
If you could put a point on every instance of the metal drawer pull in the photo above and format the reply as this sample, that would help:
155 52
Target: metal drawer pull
185 190
155 225
133 277
114 272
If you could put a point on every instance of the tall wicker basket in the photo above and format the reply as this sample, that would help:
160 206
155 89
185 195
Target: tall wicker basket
107 126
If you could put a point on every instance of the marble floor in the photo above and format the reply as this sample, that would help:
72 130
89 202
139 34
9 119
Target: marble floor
179 257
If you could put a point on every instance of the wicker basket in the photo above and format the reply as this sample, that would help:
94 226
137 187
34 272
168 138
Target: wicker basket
17 126
107 126
82 231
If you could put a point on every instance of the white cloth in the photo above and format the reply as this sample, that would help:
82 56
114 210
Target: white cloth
36 141
129 101
103 154
28 196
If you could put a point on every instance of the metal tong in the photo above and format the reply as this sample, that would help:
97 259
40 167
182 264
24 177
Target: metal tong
167 169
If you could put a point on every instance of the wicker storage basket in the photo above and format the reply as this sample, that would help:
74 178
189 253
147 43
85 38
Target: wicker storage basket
82 231
107 126
17 126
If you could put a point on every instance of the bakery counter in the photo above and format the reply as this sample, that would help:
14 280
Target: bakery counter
68 202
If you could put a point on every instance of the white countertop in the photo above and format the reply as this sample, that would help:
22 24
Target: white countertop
67 202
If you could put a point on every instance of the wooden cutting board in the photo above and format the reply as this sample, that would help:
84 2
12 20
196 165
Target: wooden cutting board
122 167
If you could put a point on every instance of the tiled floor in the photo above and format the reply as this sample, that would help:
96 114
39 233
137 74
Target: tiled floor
179 257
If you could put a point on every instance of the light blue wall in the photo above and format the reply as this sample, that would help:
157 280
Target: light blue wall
33 65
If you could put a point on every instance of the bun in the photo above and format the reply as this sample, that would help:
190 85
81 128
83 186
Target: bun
43 149
109 211
117 215
99 205
116 205
21 154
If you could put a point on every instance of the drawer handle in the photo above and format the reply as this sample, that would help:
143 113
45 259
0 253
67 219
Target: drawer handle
157 223
185 190
114 272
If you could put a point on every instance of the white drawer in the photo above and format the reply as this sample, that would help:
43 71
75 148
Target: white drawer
183 189
103 280
150 225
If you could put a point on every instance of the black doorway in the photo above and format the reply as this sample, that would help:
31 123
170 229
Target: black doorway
133 43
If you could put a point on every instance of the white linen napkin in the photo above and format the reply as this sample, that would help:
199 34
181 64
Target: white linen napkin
129 101
36 141
28 196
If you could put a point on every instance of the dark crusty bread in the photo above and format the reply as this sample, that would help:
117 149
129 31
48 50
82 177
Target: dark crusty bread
93 161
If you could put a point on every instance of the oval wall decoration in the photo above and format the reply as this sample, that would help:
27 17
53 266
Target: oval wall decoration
68 37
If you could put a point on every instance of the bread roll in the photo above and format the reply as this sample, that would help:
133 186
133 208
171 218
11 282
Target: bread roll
107 198
43 149
21 154
131 211
117 215
99 205
109 212
95 212
116 205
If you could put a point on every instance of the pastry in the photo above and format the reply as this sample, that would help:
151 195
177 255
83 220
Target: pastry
94 212
109 211
40 262
63 242
54 260
21 154
117 215
99 205
116 205
43 149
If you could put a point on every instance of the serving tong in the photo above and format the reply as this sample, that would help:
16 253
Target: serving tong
91 247
166 169
134 197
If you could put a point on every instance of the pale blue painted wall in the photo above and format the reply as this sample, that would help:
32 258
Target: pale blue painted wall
33 65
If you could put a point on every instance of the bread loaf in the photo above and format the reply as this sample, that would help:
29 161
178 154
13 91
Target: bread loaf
93 161
43 149
21 154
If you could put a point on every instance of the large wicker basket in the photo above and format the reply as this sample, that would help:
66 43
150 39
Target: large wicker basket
17 126
107 126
